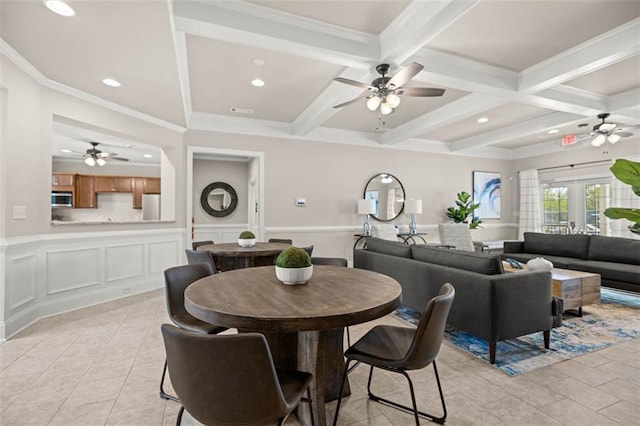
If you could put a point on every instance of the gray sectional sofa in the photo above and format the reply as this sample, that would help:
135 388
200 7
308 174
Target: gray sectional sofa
617 260
489 304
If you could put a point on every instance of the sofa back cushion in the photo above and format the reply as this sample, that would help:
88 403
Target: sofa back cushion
575 246
612 249
470 261
393 248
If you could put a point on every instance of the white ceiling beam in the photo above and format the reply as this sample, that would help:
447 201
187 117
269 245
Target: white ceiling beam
450 113
567 99
417 24
626 105
321 109
525 128
183 72
607 49
261 27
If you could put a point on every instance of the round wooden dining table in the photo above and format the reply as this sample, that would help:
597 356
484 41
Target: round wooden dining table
231 256
304 324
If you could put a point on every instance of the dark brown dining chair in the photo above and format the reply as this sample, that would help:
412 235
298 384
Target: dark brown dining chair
201 256
331 261
280 240
401 349
309 250
196 244
176 281
240 387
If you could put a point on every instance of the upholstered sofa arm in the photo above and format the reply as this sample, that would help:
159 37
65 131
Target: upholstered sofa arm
522 304
513 247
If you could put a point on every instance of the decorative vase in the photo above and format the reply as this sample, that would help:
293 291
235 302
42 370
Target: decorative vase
540 264
294 275
248 242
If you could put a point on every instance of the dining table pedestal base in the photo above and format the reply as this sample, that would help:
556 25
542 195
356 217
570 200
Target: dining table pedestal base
319 352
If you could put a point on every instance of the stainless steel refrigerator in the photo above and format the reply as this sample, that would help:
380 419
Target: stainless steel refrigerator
150 206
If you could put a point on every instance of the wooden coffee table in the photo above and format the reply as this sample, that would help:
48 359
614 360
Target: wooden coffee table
575 288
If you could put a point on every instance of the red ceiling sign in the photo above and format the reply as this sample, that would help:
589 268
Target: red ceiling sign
568 140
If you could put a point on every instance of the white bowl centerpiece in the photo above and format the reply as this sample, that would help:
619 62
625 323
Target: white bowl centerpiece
540 264
247 239
293 266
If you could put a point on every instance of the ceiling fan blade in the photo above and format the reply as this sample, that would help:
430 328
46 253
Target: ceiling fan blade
118 158
623 134
353 83
420 91
405 75
352 101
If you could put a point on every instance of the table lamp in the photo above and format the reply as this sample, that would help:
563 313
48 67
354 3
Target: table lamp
413 207
366 207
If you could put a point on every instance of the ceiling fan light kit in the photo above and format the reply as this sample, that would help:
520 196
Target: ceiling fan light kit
386 91
607 132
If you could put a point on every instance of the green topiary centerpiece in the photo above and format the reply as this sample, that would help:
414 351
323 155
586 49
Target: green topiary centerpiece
293 266
247 239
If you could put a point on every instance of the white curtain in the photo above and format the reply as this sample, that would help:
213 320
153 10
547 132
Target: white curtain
623 196
530 217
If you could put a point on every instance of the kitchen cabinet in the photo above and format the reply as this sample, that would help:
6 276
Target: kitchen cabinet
113 184
144 186
85 196
62 182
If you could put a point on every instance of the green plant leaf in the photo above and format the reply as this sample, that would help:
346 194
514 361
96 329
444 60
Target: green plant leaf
627 171
621 213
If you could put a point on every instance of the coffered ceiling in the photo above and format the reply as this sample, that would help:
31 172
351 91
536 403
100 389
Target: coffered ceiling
528 66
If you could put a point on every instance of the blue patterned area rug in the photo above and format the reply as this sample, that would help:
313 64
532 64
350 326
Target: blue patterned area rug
614 320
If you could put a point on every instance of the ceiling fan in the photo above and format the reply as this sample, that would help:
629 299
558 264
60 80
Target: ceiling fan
608 132
95 156
385 92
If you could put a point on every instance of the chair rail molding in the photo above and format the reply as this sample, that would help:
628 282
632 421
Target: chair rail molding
48 274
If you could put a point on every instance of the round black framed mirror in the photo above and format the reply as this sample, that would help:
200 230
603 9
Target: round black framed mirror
219 199
388 193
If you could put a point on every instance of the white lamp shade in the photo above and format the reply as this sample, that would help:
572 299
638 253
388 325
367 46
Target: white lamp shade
613 138
373 103
393 100
385 108
90 161
366 206
599 140
413 206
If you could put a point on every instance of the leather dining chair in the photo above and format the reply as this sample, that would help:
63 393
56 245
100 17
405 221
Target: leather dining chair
331 261
176 281
231 379
196 244
280 240
401 349
308 249
201 256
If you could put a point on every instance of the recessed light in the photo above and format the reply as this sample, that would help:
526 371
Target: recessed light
111 82
60 7
257 82
483 119
66 151
553 131
258 62
148 156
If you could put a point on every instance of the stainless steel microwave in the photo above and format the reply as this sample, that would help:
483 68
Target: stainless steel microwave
61 199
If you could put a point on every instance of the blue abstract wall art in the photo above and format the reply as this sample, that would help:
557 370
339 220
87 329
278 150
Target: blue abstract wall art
487 192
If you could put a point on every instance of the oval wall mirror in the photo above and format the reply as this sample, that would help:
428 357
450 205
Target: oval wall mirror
219 199
388 192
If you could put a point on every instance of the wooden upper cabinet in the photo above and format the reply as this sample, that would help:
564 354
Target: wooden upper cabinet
85 196
138 189
60 180
151 186
113 184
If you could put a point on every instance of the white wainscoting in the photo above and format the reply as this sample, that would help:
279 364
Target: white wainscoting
44 275
218 233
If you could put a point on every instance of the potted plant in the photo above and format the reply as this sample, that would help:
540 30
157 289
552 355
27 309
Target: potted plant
293 266
628 172
247 239
463 209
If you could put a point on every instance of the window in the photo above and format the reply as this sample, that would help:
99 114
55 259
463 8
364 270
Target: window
596 199
556 209
576 207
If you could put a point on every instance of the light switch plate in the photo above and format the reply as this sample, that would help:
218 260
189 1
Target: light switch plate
19 212
301 202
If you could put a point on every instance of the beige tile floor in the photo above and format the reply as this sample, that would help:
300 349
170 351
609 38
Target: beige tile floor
102 365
